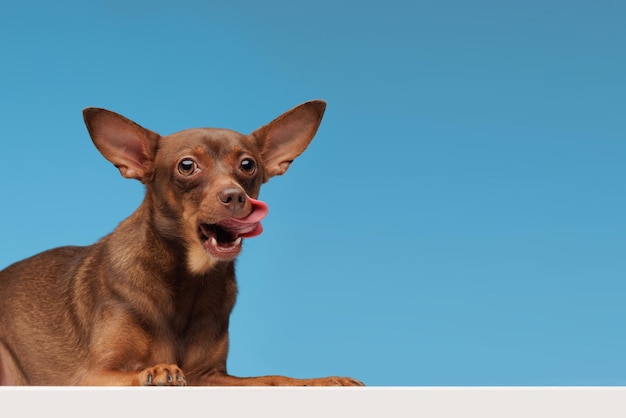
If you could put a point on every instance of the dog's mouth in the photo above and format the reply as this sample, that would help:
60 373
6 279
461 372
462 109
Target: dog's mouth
223 240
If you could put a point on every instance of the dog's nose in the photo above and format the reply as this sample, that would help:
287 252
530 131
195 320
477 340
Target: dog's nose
233 198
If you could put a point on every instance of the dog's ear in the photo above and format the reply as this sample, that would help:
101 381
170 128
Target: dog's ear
127 145
287 136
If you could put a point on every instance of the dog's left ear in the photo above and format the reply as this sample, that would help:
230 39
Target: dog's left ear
287 136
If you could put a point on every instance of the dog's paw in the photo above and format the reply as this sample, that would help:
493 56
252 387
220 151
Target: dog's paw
162 375
334 381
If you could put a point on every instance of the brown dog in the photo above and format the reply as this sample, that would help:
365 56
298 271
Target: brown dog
149 304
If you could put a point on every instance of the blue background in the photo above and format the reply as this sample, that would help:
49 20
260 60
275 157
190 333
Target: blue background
458 220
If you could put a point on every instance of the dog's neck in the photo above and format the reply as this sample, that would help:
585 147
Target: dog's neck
139 241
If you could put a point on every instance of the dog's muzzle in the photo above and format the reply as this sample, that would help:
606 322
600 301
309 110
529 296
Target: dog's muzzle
222 240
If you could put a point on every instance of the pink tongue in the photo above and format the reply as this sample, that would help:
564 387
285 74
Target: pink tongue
250 226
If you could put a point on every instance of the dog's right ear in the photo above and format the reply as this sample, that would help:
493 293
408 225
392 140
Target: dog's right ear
127 145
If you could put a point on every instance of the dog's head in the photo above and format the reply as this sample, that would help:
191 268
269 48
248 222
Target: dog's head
202 184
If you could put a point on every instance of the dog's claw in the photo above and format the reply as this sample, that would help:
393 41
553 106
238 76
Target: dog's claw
163 375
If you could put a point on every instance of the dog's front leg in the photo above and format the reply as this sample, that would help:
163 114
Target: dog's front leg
219 379
124 353
159 375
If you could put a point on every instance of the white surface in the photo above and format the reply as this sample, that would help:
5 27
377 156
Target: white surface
385 402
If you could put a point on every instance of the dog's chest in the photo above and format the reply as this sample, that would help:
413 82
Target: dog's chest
195 334
201 308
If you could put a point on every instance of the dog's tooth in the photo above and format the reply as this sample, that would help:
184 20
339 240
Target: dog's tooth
237 241
213 241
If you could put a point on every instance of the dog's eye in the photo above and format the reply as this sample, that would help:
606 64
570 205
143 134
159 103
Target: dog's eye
187 167
248 165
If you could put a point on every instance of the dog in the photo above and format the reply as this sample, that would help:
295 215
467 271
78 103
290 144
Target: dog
149 304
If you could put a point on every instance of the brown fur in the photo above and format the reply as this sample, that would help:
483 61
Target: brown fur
147 304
